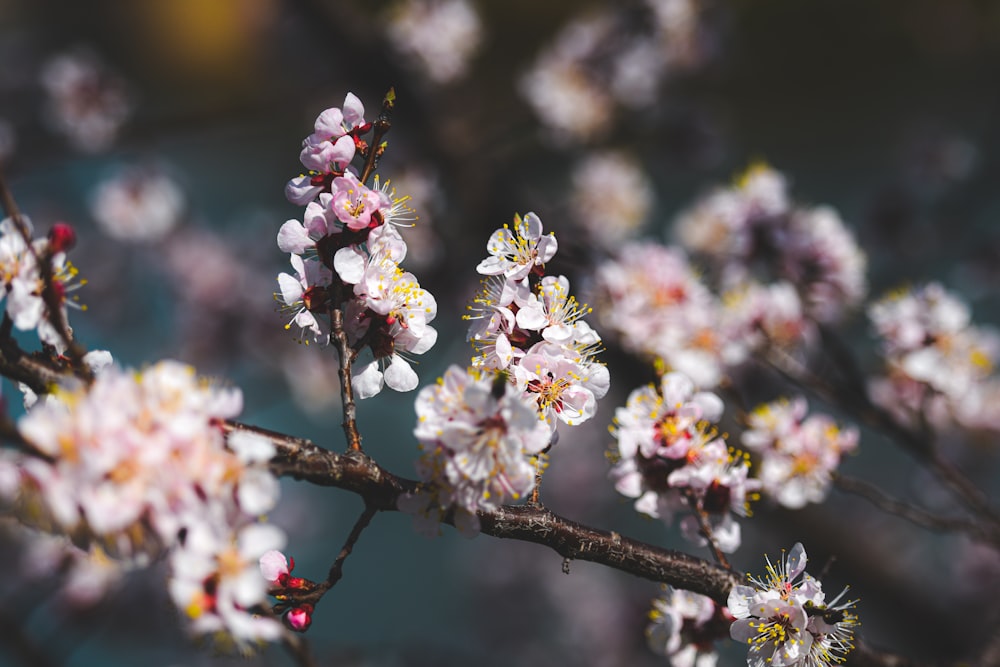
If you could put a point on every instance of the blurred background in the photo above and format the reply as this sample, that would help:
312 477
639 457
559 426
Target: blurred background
165 131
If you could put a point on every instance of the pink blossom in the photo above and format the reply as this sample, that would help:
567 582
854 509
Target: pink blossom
354 204
783 620
798 453
477 432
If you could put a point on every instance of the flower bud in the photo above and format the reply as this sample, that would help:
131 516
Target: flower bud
299 618
62 237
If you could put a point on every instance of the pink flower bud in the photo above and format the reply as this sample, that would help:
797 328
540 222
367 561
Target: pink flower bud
300 618
274 566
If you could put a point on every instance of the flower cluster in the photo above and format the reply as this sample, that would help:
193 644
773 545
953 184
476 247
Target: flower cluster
779 270
798 453
86 102
528 323
785 619
138 464
22 274
276 569
752 232
684 626
476 431
669 458
482 429
938 364
612 57
439 37
346 253
653 300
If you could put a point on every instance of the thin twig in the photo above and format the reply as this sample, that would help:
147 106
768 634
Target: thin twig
695 503
338 339
969 493
337 569
381 127
916 515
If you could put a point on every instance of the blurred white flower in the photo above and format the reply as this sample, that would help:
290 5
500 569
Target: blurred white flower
138 204
441 35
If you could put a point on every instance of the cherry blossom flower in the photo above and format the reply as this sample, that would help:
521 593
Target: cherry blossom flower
722 224
304 293
493 322
761 315
438 36
138 456
477 432
350 230
85 102
652 299
557 86
564 386
668 456
516 253
331 146
684 626
798 453
274 567
138 464
938 363
217 583
611 57
753 232
785 619
822 258
611 197
392 312
329 150
140 205
353 203
22 281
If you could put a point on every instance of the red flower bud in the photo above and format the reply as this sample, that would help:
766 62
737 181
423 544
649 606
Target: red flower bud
62 237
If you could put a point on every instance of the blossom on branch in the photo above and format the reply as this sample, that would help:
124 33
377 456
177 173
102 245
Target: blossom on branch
785 620
939 365
477 433
652 299
670 459
138 464
751 232
798 453
684 626
529 323
346 254
23 283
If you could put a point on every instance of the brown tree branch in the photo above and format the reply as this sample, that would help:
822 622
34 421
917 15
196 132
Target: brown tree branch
338 339
916 515
354 471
